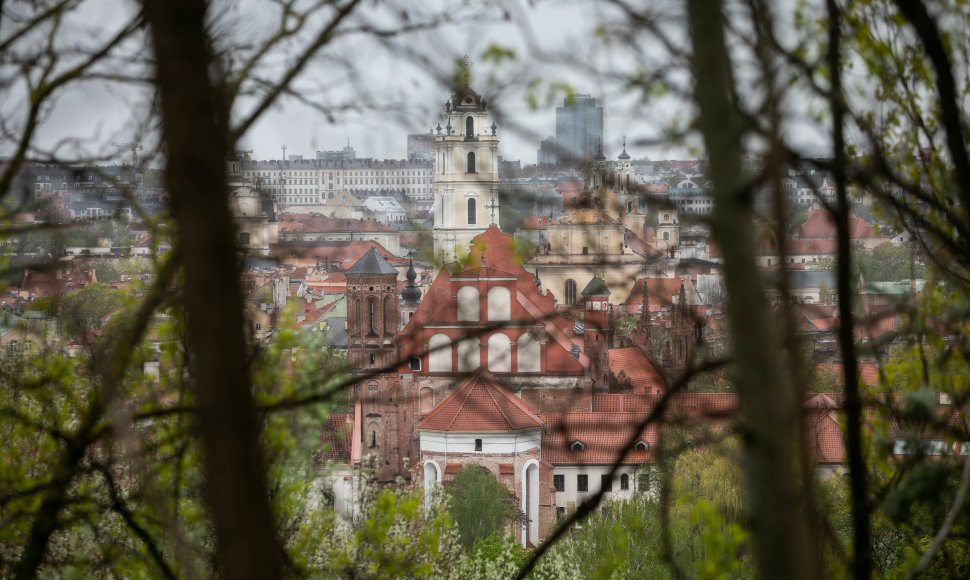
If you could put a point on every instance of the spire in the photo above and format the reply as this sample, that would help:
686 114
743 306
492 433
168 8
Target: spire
411 294
600 156
624 156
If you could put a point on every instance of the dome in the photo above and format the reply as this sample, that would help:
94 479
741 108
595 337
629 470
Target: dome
624 156
411 294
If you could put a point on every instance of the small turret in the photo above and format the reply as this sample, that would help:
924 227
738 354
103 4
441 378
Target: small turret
410 296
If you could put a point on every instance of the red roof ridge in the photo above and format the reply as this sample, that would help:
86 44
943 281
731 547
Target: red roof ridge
456 402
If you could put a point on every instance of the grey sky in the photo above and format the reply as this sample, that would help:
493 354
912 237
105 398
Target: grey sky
394 87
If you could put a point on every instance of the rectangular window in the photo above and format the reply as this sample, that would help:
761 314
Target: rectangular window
582 482
258 327
559 481
478 445
606 482
560 513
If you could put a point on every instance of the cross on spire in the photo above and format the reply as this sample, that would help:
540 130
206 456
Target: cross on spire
465 72
492 206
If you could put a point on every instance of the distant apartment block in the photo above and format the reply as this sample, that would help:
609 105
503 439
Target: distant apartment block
344 154
579 130
420 146
546 155
315 181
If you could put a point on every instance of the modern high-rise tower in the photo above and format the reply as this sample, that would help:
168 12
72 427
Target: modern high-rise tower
579 130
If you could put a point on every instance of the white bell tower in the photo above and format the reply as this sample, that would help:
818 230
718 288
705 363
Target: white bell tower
465 174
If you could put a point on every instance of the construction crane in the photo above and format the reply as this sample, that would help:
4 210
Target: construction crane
135 148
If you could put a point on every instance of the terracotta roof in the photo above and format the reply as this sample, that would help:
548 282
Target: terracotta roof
825 436
660 296
335 439
480 405
822 225
603 435
799 247
334 252
569 186
634 364
535 222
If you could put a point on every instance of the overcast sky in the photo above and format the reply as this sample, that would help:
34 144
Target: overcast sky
375 92
415 93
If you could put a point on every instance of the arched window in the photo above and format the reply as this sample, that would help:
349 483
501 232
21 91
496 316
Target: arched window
389 311
569 292
371 315
373 426
439 354
499 353
472 210
432 477
468 304
469 354
469 127
499 303
471 162
529 356
624 482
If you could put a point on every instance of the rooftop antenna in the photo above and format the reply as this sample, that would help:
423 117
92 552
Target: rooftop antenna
284 152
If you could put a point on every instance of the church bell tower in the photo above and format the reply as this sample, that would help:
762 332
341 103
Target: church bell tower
465 174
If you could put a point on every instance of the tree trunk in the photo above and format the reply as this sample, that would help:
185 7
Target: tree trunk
194 128
768 414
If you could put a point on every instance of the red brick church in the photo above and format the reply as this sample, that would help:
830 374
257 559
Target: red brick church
489 371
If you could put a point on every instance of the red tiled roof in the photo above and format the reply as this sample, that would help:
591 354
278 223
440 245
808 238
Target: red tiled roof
45 285
535 222
604 436
481 404
335 439
825 436
661 292
634 364
336 252
799 247
569 187
822 225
